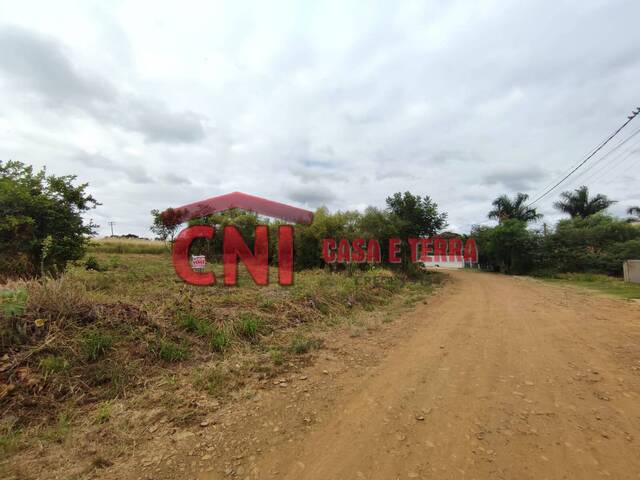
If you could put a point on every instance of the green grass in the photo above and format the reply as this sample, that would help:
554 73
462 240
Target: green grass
94 344
219 341
277 357
104 413
249 327
169 351
53 364
601 283
196 325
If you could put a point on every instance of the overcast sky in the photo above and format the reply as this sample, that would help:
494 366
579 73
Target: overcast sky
158 104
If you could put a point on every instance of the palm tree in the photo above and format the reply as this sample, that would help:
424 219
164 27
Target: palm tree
578 203
506 208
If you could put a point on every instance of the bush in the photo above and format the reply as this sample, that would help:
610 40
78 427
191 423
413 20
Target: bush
509 248
598 244
91 263
13 302
41 224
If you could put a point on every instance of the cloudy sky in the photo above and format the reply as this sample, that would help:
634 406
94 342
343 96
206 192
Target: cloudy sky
337 103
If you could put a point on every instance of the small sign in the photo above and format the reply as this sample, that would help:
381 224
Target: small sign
198 262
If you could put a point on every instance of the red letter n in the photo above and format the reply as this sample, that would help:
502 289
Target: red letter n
257 263
285 254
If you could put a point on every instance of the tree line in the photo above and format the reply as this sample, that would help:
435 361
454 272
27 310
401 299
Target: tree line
42 228
405 215
588 241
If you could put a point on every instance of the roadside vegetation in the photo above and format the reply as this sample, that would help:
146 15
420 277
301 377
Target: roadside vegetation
590 241
93 335
84 322
607 285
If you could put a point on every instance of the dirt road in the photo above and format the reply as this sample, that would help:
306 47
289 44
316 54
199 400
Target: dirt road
497 377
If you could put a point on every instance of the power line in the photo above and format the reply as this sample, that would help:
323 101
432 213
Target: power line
111 224
584 174
621 161
596 150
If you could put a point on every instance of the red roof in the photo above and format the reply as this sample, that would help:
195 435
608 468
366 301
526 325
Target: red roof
244 201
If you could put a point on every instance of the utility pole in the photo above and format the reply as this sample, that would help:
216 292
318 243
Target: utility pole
111 224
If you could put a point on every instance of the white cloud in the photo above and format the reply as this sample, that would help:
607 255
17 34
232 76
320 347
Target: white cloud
156 104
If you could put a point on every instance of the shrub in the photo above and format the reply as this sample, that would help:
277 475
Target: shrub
41 224
13 302
91 263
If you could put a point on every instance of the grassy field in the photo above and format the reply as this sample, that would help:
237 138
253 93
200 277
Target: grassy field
129 245
601 283
94 335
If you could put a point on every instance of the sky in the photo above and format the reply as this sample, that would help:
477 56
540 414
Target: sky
338 103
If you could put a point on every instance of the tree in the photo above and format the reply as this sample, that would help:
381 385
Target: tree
166 223
509 248
308 238
598 243
418 216
578 203
41 224
245 221
413 216
634 211
507 209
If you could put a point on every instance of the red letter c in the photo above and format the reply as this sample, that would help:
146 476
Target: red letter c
180 255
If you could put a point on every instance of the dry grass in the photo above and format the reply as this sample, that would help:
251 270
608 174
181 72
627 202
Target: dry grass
94 336
129 245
